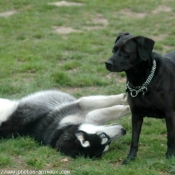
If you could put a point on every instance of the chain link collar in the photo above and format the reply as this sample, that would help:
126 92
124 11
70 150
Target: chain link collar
134 91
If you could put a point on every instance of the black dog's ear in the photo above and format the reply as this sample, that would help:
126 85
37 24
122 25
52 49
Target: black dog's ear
145 47
121 34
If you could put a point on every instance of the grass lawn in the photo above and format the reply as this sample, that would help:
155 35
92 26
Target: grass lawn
47 45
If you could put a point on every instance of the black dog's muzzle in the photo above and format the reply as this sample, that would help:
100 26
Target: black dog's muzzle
109 65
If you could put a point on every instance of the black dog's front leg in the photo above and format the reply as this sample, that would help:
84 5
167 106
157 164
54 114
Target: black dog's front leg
137 121
170 123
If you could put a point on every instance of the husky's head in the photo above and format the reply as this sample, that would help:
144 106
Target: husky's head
86 139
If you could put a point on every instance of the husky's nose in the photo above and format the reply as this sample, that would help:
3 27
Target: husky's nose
123 131
109 65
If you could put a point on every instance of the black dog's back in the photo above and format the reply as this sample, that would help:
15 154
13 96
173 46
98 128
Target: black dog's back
170 55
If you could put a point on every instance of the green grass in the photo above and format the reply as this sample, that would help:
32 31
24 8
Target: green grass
34 57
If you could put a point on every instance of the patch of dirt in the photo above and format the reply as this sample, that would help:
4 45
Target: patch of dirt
64 3
7 13
167 49
64 30
159 37
129 13
99 22
132 14
162 9
89 28
99 19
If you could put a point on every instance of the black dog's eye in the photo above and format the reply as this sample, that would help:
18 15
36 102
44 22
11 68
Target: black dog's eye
125 51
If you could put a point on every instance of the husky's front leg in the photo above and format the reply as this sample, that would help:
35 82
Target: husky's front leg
103 115
90 103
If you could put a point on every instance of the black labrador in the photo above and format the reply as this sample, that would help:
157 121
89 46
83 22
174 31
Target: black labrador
150 85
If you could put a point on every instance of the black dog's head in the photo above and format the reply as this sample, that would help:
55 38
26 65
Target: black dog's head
129 51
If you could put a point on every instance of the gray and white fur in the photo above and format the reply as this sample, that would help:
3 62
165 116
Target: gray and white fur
72 126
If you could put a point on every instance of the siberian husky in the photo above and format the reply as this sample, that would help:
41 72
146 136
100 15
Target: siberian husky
75 127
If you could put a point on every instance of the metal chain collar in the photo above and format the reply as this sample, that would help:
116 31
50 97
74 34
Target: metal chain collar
134 91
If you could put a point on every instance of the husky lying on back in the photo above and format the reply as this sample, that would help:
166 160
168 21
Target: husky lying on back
73 126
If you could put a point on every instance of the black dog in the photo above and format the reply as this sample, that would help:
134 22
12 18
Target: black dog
150 85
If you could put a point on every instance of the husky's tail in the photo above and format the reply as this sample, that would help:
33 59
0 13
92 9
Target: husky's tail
7 107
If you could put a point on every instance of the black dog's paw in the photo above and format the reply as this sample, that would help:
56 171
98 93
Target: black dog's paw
125 162
128 160
170 153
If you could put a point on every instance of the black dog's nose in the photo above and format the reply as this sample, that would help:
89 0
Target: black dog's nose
109 65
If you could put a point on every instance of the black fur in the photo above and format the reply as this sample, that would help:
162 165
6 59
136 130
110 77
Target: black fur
134 56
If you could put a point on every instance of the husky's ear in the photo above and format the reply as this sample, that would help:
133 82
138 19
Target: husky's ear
80 136
145 47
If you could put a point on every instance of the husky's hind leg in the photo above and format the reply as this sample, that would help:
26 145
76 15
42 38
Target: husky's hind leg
100 101
103 115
